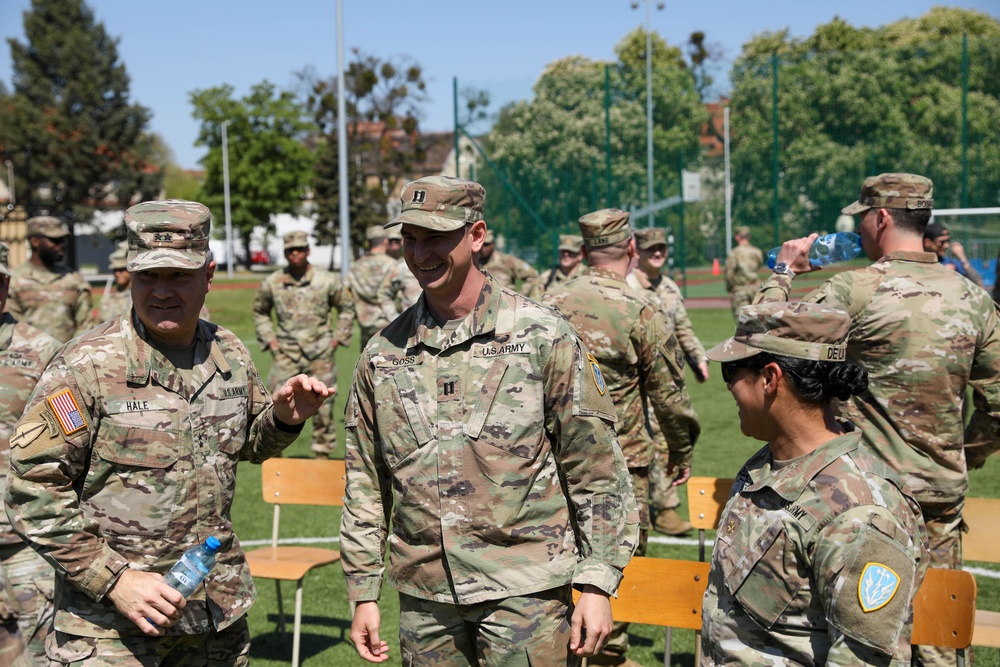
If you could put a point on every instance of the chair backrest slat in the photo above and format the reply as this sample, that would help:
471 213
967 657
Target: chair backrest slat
661 591
982 515
944 609
303 481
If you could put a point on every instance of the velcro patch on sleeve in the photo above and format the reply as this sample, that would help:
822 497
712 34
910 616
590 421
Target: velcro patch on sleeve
67 412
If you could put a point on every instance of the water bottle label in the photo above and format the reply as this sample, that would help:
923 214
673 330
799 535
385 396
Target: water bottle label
193 564
185 580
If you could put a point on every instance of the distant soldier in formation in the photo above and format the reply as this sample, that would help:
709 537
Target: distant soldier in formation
46 294
399 290
570 266
925 335
648 280
303 298
365 278
117 297
481 453
509 271
640 361
27 582
742 264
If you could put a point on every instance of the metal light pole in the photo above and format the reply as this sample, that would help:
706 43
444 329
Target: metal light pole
345 209
225 191
649 103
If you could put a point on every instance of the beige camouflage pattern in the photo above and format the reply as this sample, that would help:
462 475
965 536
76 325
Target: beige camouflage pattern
742 281
364 279
114 303
510 271
551 279
907 191
605 227
399 290
57 302
490 448
150 472
167 234
305 338
443 203
801 330
923 333
794 541
46 225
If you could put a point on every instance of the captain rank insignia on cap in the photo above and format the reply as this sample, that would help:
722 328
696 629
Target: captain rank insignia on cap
876 587
67 411
595 370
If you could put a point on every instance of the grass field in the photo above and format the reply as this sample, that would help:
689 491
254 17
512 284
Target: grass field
719 452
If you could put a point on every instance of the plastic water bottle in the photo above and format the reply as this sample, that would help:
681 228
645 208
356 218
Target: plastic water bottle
192 568
829 249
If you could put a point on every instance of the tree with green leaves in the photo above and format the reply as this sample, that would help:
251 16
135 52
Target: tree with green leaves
270 165
383 105
854 102
68 125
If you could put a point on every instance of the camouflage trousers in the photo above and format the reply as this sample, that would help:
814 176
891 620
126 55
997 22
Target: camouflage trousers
324 434
229 647
13 649
743 296
944 538
30 584
524 631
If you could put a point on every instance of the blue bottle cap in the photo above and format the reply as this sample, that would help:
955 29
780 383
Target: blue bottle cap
213 543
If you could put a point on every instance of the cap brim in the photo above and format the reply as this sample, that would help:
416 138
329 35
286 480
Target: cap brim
425 219
165 258
55 235
855 208
731 350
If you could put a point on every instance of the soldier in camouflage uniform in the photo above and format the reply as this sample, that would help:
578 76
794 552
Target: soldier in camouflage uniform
364 280
742 264
28 581
43 292
924 334
569 267
480 428
509 271
647 278
637 350
399 290
302 297
820 548
127 455
117 298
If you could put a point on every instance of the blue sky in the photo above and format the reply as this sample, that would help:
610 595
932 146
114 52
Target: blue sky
171 47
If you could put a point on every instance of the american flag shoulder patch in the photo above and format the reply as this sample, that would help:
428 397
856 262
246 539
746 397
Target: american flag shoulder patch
67 412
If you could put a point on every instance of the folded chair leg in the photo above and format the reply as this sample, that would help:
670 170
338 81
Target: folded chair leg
281 607
668 637
298 623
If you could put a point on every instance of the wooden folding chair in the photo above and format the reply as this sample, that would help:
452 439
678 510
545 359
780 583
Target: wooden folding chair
662 591
944 611
296 482
982 516
707 498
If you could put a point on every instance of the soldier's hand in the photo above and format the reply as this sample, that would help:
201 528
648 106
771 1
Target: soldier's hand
681 474
334 344
958 251
299 398
364 632
795 253
591 624
273 346
702 373
146 600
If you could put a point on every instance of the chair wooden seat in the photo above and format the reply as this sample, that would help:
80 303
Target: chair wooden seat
982 515
987 630
296 482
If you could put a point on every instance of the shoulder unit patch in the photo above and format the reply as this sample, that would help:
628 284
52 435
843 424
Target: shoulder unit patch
877 586
595 370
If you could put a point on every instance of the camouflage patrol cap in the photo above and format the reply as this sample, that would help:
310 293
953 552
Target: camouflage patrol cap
375 233
296 239
118 260
650 237
800 330
393 234
909 191
46 225
605 227
441 202
490 237
742 230
570 242
167 234
4 264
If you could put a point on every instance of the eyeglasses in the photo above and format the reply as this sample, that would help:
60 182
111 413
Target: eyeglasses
729 369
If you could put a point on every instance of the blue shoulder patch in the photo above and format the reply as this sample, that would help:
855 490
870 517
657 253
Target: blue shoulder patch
595 370
877 586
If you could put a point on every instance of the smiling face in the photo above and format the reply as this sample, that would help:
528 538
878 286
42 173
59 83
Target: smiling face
168 300
652 259
442 260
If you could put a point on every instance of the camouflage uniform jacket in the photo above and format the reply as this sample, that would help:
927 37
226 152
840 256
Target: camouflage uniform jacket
508 269
639 356
24 353
114 303
797 558
490 448
667 295
551 279
303 310
923 333
364 280
56 302
399 290
121 462
742 265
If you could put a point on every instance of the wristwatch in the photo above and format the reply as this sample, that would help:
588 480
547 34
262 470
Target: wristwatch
782 270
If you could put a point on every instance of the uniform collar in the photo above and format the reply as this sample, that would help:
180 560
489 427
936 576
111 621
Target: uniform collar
145 363
911 256
481 320
603 273
304 280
